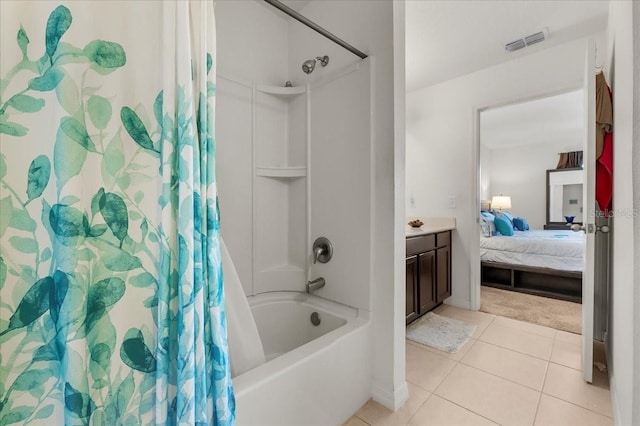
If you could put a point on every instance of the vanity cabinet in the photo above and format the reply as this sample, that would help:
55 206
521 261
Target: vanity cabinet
428 273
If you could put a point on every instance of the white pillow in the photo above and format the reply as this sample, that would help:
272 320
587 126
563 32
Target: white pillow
486 226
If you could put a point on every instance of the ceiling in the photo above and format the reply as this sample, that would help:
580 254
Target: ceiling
553 119
448 39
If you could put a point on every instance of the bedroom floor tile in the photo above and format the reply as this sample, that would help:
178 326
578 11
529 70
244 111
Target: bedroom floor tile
514 366
553 411
526 326
426 369
440 412
567 354
497 399
567 384
518 340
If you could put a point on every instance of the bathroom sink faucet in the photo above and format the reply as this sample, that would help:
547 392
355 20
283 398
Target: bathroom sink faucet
315 285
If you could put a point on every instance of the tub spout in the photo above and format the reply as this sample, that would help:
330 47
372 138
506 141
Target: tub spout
315 285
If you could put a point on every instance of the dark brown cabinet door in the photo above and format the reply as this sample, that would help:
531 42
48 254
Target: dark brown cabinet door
443 280
426 293
412 286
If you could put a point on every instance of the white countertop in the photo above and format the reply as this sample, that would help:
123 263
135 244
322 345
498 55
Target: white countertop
431 225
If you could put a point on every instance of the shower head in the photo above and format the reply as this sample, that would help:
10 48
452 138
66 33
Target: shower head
309 65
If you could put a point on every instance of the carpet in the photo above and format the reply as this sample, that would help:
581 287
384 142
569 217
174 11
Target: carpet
558 314
439 332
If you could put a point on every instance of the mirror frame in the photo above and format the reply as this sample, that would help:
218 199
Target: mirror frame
548 195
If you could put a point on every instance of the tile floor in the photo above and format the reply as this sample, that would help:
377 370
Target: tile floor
509 373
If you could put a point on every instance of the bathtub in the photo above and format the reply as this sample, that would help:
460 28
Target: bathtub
314 375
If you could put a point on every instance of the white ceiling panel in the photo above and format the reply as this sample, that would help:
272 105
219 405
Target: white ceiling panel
448 39
556 119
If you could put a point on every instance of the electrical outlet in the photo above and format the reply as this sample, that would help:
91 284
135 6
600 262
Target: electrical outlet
452 201
412 201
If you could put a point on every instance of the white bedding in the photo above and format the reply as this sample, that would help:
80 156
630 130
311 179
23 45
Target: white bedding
560 250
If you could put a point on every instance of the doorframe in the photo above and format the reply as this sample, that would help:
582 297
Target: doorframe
475 273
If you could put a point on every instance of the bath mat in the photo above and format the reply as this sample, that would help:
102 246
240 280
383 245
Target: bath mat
440 332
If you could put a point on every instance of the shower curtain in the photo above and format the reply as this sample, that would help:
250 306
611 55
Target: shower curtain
111 301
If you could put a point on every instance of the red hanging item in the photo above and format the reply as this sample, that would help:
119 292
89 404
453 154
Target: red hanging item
604 145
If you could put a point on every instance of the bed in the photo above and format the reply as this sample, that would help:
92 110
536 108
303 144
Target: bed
542 262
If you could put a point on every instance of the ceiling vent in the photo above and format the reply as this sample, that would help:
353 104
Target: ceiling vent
515 45
527 41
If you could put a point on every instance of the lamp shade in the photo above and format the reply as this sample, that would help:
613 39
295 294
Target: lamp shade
501 202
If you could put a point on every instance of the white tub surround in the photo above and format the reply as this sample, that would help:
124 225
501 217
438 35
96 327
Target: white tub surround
316 375
431 225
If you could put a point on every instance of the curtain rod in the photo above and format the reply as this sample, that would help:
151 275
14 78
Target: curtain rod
300 18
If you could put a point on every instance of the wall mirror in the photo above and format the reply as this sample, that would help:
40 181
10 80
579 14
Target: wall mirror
564 195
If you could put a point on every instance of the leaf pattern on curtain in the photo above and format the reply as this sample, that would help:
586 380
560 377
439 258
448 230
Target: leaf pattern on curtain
111 307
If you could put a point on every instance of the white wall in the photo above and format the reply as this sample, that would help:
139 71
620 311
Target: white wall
485 174
521 173
623 340
441 153
252 44
369 26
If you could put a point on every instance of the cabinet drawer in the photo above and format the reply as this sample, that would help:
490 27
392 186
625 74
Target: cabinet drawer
420 244
443 239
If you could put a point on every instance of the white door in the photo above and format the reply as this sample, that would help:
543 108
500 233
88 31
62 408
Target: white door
589 222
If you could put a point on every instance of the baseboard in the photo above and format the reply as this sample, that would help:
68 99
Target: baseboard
615 409
393 400
458 303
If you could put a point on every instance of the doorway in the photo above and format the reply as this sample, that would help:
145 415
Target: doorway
518 143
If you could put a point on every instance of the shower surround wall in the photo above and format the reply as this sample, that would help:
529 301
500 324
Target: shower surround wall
348 168
252 46
369 26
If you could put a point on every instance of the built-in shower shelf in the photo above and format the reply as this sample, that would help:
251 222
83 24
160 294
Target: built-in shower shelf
281 172
281 90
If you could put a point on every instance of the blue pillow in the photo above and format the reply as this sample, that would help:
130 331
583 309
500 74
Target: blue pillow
504 226
507 215
487 215
520 224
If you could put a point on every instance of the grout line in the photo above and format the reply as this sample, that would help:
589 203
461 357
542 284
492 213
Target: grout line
535 416
468 409
579 406
418 409
362 420
562 365
417 385
446 375
570 402
522 353
503 378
